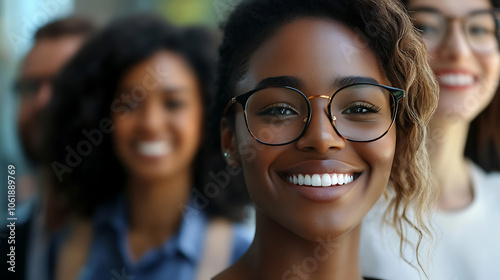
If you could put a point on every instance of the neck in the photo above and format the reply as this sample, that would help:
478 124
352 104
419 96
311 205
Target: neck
278 253
449 165
154 205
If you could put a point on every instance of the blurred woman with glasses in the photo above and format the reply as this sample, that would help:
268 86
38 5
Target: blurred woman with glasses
321 112
462 38
127 147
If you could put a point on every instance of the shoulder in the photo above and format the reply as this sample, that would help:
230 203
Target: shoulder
489 183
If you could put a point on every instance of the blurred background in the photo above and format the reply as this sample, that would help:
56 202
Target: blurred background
19 20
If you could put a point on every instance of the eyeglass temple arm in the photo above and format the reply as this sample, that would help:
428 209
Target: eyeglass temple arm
231 102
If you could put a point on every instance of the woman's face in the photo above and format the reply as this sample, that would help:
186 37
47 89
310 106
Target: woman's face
317 53
464 55
157 113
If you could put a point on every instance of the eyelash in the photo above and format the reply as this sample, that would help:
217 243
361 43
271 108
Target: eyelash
363 105
277 107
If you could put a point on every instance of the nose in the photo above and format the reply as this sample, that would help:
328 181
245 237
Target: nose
152 119
43 95
320 135
455 45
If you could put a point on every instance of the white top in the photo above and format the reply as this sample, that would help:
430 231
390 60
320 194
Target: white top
466 246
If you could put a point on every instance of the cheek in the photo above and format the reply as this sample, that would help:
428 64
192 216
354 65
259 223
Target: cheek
255 158
187 129
379 156
491 68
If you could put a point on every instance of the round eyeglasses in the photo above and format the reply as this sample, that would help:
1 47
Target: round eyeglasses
360 112
480 28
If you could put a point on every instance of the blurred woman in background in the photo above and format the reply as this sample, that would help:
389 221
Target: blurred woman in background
127 146
464 52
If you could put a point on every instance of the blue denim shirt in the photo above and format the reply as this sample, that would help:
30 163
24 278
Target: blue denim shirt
178 258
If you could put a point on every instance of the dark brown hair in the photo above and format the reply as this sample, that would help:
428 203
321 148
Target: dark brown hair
70 26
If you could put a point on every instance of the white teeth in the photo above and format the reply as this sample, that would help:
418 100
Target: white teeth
335 179
326 180
301 179
154 148
456 79
317 180
307 180
341 179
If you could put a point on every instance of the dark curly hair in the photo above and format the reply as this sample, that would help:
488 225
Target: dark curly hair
82 102
389 33
483 140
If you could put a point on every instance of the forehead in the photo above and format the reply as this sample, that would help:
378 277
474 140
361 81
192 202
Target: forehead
48 56
452 7
163 66
314 50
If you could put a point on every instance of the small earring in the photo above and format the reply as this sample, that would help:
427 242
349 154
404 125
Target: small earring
226 155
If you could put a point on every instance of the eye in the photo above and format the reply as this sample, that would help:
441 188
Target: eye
479 31
427 29
278 110
174 104
361 108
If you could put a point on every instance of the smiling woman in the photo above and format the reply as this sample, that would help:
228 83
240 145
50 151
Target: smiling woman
312 106
140 190
462 38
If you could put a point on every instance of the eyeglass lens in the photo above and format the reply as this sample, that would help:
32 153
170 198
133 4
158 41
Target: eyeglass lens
279 115
479 29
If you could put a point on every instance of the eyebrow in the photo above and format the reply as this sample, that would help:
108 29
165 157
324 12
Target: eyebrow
425 9
298 83
349 80
163 90
437 11
280 81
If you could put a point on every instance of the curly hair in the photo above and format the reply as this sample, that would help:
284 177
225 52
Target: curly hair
483 142
390 34
83 96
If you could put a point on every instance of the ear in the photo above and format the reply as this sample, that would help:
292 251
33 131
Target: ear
229 145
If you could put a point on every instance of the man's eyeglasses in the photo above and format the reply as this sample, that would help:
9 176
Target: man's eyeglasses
360 112
29 87
479 27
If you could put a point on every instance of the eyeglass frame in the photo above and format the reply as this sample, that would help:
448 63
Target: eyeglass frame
40 81
242 99
495 12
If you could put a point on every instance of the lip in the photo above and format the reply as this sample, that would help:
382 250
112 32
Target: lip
321 194
442 72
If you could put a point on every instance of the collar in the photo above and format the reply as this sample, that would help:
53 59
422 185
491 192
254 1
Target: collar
188 241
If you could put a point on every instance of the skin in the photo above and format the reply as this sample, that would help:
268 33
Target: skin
170 111
289 225
45 60
457 107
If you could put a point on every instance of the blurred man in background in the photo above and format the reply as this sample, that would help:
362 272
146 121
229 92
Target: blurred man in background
55 44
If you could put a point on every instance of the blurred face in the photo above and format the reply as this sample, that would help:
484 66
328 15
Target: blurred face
158 117
316 54
463 52
41 65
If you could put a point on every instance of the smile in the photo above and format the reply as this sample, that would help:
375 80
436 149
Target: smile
456 80
154 148
322 180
